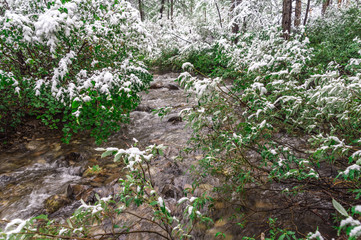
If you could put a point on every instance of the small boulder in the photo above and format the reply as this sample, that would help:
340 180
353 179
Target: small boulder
175 119
74 156
55 202
172 87
142 108
170 191
156 85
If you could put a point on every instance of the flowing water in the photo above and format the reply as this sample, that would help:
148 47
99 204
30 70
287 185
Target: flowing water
43 167
42 175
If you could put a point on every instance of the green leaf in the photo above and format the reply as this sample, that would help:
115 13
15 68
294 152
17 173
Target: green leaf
106 153
117 157
220 234
97 197
75 104
282 237
68 221
44 217
153 203
339 208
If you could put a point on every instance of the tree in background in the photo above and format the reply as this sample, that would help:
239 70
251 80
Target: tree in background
141 12
325 4
298 11
286 18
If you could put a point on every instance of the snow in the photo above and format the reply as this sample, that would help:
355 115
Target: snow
187 66
260 87
353 167
358 208
317 235
160 202
190 209
45 26
20 225
349 221
356 232
183 199
192 199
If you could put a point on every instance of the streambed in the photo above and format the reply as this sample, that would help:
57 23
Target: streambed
41 167
41 175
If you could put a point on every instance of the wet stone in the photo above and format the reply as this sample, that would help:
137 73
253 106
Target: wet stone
103 191
33 145
69 191
62 163
172 87
77 171
156 85
171 168
5 179
170 191
112 178
98 181
55 202
38 153
74 156
142 108
57 146
83 192
175 119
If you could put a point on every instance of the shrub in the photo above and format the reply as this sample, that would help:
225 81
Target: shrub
75 62
333 37
282 122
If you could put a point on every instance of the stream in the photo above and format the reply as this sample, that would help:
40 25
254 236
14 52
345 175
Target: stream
42 169
44 176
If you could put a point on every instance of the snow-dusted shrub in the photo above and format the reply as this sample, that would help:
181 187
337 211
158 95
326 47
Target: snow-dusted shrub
282 119
332 35
76 62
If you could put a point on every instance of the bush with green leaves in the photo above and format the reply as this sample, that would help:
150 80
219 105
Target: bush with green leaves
78 63
11 110
332 37
281 122
118 215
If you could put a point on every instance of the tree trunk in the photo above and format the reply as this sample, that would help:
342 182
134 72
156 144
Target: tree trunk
235 26
286 18
161 8
3 7
307 10
339 3
325 4
171 9
191 8
298 11
140 4
168 9
219 15
205 14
